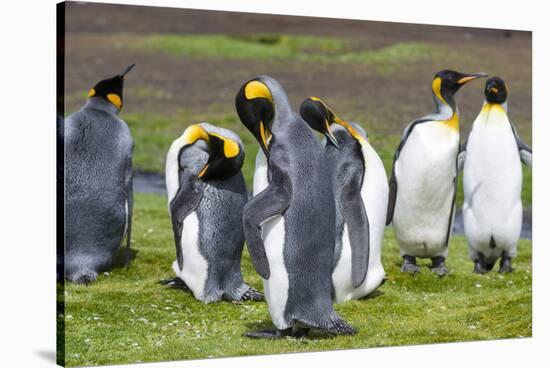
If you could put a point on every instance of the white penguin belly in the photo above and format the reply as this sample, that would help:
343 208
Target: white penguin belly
492 185
273 235
425 172
195 266
375 198
276 287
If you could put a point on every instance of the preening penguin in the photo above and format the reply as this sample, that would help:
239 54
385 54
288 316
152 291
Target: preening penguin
423 182
98 182
206 196
289 224
361 195
492 182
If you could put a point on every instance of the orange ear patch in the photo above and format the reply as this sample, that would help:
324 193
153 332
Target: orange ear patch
115 100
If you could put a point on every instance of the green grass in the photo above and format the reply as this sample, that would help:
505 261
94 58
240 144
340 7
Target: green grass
295 47
126 317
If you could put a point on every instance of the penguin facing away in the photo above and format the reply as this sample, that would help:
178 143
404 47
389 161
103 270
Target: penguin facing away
423 181
289 224
98 182
361 195
206 195
492 183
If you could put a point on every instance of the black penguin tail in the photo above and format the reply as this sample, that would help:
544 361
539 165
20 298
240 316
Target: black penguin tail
335 325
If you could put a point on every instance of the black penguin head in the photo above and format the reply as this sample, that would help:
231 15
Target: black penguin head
111 89
495 90
447 82
320 116
255 107
226 155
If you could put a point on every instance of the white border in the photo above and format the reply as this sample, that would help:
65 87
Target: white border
27 138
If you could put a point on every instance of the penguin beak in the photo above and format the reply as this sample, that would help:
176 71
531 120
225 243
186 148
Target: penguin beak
265 135
130 67
470 77
328 133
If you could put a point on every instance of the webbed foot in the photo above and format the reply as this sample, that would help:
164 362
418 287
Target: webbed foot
409 265
438 266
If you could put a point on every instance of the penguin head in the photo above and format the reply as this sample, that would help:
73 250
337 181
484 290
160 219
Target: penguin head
319 116
110 89
255 107
226 153
447 82
496 90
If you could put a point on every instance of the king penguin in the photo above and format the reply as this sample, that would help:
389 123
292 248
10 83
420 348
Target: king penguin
492 182
206 195
361 195
98 182
423 181
289 223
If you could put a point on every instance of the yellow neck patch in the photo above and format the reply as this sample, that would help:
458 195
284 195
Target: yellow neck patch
350 129
257 89
490 106
436 89
452 122
115 100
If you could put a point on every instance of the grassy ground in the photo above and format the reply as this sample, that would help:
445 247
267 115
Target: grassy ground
190 64
125 316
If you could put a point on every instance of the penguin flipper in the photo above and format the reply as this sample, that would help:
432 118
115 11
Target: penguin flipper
355 215
525 152
272 201
393 180
461 156
392 196
130 200
184 202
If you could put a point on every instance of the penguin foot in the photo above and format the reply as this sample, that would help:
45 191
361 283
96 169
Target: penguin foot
505 265
269 334
175 283
409 265
83 277
479 268
336 325
252 294
440 271
438 266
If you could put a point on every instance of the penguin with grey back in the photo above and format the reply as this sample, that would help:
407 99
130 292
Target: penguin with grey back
492 181
289 223
206 196
423 183
361 195
98 182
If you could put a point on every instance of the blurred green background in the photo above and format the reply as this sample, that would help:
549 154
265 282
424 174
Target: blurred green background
190 65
